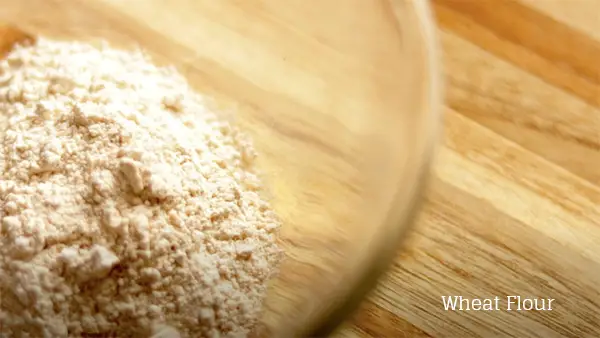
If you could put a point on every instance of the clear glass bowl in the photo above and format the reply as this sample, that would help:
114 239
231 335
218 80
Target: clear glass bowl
343 103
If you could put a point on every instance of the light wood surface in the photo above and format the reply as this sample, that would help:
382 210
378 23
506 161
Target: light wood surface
513 205
514 208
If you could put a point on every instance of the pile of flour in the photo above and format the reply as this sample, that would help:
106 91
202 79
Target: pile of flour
126 207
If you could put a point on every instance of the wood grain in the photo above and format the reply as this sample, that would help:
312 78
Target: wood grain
514 209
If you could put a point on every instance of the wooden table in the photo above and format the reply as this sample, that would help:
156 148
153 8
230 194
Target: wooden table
514 208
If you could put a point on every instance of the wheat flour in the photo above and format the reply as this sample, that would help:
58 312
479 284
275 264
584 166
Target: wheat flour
127 208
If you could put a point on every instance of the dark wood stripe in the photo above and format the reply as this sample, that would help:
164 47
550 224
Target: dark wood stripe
10 36
380 323
522 36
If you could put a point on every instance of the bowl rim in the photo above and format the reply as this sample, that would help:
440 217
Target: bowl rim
380 263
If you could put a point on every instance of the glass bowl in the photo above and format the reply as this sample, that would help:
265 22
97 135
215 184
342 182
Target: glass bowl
343 104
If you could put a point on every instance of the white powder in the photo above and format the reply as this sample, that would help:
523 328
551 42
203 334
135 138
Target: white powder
127 209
